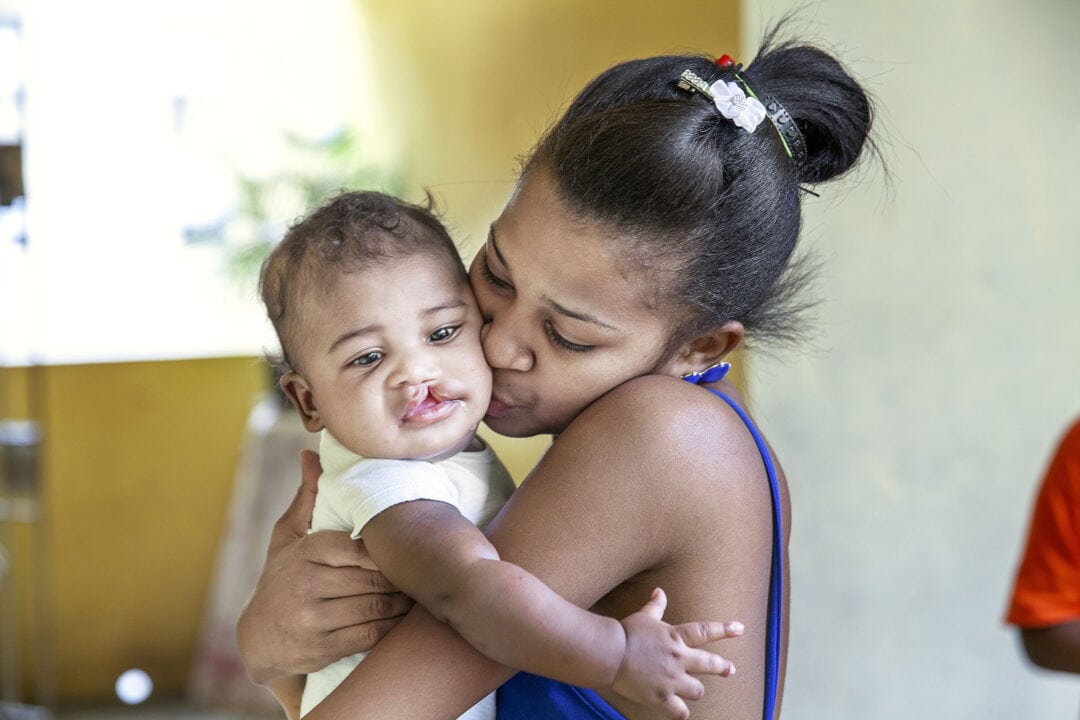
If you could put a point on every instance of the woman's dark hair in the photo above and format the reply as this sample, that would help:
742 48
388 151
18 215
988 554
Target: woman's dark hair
352 231
712 210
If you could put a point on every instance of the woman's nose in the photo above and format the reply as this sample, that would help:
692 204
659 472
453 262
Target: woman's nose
503 349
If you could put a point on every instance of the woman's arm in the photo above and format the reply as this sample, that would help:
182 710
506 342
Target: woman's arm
604 505
1054 648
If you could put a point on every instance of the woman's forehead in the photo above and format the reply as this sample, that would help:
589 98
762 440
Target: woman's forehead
568 261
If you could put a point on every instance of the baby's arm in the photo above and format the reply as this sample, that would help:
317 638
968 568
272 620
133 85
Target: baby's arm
433 554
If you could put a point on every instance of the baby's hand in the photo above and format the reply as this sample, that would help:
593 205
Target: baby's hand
660 660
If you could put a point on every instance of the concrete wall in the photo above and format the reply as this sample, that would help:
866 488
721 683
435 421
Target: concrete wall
915 426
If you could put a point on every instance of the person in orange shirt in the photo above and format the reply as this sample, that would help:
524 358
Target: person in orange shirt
1046 596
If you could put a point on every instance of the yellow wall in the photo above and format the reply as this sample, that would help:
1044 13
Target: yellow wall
140 456
138 464
467 87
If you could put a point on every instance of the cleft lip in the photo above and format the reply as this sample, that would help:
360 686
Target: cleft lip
427 397
421 393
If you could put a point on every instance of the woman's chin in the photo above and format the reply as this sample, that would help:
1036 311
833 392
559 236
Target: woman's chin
507 426
516 426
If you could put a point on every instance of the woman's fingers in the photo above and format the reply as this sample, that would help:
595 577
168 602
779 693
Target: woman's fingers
327 583
345 612
359 638
310 470
334 548
296 520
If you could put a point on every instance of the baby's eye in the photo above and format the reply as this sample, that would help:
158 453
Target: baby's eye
444 334
367 359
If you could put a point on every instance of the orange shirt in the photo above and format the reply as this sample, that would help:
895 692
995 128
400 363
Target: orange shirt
1047 590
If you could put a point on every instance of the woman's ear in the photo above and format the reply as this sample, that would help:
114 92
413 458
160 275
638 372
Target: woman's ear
707 350
299 392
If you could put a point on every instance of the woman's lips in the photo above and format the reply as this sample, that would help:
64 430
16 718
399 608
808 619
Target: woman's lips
499 407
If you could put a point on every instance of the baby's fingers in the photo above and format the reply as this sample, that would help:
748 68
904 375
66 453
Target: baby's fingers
675 708
703 662
696 634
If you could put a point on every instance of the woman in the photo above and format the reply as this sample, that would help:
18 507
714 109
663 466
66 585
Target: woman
652 226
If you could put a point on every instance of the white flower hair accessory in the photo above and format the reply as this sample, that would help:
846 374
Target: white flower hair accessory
734 104
745 111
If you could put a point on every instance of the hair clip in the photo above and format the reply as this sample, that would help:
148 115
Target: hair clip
710 374
790 135
689 80
733 103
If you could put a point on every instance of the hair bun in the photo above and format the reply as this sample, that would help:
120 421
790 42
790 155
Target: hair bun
829 106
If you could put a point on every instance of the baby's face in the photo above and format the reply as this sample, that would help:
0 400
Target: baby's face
392 361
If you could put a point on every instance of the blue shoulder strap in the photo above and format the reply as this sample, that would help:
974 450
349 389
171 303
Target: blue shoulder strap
776 576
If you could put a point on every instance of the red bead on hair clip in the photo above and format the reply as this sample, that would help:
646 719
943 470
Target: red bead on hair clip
725 61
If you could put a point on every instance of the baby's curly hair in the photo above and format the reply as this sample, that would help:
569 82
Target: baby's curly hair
350 232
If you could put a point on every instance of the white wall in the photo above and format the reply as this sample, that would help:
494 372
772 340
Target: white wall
139 116
915 426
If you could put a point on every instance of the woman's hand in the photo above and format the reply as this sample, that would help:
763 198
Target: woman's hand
661 660
319 597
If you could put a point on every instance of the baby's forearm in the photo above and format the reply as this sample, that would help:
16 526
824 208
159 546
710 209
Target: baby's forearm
512 617
431 553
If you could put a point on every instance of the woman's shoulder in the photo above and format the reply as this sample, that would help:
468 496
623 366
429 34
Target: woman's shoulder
671 423
665 408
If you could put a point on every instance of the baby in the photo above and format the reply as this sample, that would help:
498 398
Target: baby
381 352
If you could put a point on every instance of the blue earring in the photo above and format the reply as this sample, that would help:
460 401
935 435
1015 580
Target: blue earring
709 374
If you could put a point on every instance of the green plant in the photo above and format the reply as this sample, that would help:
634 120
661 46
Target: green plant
315 170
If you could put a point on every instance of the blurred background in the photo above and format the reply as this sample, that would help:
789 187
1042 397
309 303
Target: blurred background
150 151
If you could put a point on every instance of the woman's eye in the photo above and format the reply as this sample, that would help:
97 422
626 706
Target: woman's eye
444 334
367 359
563 343
485 270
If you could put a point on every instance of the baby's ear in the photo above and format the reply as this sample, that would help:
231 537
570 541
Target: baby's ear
707 350
299 392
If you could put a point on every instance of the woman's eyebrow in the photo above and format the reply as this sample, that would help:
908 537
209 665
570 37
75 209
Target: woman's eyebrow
562 310
584 317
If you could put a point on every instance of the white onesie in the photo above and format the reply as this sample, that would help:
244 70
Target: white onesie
354 489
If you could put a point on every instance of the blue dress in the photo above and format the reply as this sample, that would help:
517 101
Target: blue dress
531 697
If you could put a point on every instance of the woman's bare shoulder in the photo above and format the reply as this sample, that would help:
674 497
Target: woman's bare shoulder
666 429
667 415
654 468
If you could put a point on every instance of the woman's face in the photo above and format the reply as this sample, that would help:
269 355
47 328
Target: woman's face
565 321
